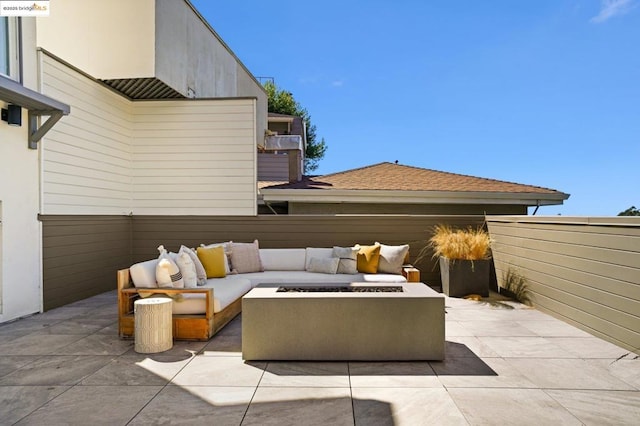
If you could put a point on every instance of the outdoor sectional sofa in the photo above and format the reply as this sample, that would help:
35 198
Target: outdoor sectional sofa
199 313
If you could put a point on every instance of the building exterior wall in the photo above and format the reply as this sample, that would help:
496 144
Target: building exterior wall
107 39
273 167
20 266
87 156
583 270
194 157
378 208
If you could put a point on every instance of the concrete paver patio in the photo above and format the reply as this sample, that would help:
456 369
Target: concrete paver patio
505 364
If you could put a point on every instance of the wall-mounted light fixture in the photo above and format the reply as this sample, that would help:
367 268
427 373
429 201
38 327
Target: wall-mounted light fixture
12 115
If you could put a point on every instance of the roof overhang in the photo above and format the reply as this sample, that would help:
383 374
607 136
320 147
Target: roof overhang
411 197
280 119
37 104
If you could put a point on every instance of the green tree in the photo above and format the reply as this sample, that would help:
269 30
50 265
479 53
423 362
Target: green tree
282 102
631 211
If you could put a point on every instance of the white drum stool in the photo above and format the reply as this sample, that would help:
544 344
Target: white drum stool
153 325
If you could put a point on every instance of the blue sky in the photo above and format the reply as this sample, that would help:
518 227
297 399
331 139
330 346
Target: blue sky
541 92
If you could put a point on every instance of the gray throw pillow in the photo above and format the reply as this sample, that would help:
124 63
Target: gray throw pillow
348 259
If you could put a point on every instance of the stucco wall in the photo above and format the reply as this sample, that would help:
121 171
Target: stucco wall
107 39
20 267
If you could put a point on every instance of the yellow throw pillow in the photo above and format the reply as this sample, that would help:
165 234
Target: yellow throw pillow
213 260
368 259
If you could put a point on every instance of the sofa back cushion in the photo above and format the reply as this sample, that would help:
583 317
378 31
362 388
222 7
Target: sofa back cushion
143 274
283 259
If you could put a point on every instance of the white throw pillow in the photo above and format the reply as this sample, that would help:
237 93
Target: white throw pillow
167 272
201 274
348 259
324 265
392 258
187 269
143 274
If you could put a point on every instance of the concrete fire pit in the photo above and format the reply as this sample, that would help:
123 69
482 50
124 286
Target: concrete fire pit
376 324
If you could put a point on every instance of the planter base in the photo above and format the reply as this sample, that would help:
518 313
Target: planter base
463 277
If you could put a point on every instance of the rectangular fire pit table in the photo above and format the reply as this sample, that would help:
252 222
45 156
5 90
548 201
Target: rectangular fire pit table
339 322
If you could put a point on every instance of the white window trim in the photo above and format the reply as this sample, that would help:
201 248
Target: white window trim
14 49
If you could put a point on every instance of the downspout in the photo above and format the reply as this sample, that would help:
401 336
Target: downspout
537 207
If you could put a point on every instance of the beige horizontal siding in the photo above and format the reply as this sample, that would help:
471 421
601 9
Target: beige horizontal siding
194 158
87 156
584 270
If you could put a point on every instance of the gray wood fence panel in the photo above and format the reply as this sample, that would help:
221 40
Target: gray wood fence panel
583 270
81 255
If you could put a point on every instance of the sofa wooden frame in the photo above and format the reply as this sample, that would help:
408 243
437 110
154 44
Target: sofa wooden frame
196 326
185 327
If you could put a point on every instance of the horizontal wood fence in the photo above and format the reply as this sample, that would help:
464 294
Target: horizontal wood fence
82 253
583 270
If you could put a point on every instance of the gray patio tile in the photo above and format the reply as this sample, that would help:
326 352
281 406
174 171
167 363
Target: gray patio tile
553 328
234 328
36 344
306 374
17 402
567 374
223 346
111 329
308 406
626 369
75 326
455 328
497 312
510 407
95 405
392 375
180 348
480 373
55 370
64 313
25 326
197 405
525 347
407 406
9 364
465 346
96 345
138 370
589 347
219 371
600 407
482 328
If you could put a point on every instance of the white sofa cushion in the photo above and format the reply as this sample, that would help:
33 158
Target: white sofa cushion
383 278
283 259
225 291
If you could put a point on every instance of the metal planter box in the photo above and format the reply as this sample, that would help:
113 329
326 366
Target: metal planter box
463 277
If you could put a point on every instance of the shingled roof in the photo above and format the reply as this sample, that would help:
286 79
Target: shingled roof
398 177
389 182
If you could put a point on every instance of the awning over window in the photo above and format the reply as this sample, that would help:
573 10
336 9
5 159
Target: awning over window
37 104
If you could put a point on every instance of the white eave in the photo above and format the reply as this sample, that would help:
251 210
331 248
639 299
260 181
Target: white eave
411 197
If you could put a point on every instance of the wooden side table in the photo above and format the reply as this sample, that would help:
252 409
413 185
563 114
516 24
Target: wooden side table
153 325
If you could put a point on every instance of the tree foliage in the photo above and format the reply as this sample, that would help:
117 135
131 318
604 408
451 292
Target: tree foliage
282 102
631 211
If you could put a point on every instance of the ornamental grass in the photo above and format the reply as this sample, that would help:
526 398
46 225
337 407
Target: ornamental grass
465 244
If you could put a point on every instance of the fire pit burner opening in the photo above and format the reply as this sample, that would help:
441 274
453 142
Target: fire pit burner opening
341 289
